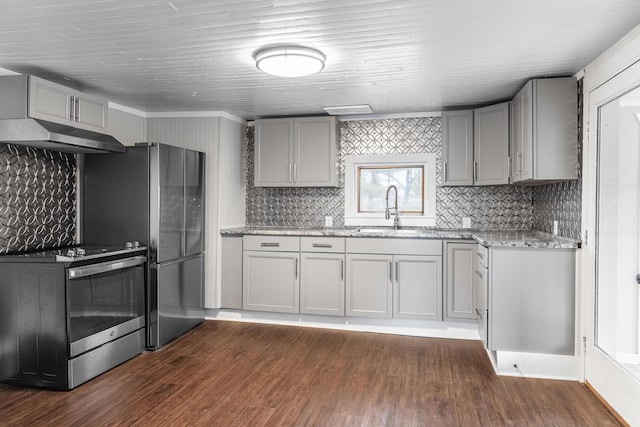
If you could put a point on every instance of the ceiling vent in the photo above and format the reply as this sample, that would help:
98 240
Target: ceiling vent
345 110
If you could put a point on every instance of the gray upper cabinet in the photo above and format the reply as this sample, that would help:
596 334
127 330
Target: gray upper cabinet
296 152
457 147
475 146
491 144
60 104
544 140
273 153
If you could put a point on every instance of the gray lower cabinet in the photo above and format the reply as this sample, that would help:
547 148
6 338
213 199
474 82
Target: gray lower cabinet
481 275
407 284
369 292
531 300
459 278
417 287
270 274
322 272
231 272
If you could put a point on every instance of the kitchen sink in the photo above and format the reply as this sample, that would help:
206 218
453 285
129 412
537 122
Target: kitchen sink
402 231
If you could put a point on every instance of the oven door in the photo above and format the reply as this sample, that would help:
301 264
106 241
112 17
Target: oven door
105 302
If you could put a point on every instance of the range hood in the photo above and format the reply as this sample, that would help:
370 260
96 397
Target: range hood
53 136
26 100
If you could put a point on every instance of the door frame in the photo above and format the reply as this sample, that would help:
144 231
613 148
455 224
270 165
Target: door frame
617 386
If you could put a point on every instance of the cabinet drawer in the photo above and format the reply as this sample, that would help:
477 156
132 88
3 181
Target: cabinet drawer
394 246
271 243
322 244
483 255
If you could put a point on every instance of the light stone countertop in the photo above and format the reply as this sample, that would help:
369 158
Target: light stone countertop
488 238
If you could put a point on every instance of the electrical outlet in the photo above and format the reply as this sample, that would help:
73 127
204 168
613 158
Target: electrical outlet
555 228
466 222
328 221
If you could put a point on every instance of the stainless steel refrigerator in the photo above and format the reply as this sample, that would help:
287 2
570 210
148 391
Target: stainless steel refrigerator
154 195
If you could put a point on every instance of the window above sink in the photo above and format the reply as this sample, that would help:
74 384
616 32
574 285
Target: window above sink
367 178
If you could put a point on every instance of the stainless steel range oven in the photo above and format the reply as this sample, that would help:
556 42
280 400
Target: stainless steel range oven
68 315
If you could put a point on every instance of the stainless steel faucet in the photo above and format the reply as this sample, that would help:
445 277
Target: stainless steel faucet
387 214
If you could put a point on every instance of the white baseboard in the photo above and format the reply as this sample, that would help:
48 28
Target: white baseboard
416 328
534 365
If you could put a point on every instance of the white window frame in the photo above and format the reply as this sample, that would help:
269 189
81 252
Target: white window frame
352 162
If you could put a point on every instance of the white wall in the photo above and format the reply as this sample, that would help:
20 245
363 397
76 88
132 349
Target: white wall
222 138
127 127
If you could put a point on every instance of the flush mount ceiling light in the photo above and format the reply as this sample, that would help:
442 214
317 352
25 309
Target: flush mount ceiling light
289 61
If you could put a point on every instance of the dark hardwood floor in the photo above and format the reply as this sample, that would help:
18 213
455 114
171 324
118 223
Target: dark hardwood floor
241 374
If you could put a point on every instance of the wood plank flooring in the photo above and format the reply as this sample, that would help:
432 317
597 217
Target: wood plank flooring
242 374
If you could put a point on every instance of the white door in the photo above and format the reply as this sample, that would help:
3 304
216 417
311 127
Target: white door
611 255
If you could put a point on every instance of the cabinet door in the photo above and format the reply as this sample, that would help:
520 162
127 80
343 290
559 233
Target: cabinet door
457 147
460 263
231 274
481 312
369 292
515 143
273 153
49 101
91 113
491 144
315 152
417 291
322 283
522 134
270 281
532 300
526 157
59 104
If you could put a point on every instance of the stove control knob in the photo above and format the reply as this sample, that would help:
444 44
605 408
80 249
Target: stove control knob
128 245
71 252
80 251
136 244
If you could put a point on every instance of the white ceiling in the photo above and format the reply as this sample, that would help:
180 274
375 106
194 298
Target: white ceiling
399 56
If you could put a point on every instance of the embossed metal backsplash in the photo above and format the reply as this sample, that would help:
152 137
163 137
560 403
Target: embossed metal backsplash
560 202
37 199
506 207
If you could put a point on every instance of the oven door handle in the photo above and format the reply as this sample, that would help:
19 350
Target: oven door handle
104 267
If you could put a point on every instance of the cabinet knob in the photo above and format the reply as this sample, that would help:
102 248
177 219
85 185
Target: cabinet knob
638 279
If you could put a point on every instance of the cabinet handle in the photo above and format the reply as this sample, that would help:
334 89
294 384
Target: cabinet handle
480 274
269 244
290 179
390 272
296 269
77 109
72 107
397 270
475 171
445 171
519 163
342 270
321 245
295 173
